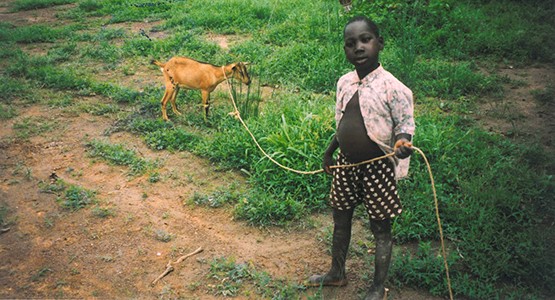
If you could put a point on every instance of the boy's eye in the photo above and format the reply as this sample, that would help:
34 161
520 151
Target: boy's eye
365 39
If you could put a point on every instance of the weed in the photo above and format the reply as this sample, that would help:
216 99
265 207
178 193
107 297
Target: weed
41 273
22 5
118 154
53 187
34 126
77 197
106 258
545 97
217 199
103 212
164 236
154 177
48 222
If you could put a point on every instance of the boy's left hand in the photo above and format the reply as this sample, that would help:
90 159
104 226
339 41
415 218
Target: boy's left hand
403 148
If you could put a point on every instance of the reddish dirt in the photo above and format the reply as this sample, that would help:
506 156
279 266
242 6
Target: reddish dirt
51 252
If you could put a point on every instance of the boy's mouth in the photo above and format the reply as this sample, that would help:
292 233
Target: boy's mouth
361 60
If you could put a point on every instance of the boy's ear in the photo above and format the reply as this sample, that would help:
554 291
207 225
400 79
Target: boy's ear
382 42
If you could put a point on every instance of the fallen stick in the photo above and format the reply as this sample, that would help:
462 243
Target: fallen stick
169 266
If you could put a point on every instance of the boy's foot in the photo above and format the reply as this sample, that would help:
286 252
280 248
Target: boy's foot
377 295
324 280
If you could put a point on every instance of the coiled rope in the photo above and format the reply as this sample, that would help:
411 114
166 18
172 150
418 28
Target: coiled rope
237 115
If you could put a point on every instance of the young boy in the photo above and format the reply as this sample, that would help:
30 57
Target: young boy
374 116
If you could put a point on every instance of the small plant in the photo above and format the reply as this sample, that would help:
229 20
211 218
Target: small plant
48 222
547 96
77 197
41 273
229 276
103 212
164 236
106 258
154 177
5 221
217 199
53 187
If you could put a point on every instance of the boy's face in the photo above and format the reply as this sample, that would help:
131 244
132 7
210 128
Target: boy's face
362 47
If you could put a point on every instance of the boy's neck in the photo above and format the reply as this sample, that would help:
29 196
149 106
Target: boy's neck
362 73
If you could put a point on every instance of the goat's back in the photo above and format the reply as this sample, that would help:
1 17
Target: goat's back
191 74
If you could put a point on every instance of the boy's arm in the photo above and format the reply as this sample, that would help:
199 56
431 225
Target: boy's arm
403 145
328 155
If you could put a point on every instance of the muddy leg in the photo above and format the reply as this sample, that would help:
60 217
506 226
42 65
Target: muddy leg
384 245
341 238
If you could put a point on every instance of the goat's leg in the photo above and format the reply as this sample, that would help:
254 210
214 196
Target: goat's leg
172 100
205 102
167 95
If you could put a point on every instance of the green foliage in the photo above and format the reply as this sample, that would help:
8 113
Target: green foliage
11 88
232 279
4 215
487 187
164 236
219 198
70 196
547 96
269 208
103 212
34 126
35 33
519 30
118 154
90 5
22 5
77 197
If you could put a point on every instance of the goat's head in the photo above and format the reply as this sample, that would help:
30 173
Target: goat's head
240 72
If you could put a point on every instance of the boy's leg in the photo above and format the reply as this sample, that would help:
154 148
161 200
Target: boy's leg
382 235
341 238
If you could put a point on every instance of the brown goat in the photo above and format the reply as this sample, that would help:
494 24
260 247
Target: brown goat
182 72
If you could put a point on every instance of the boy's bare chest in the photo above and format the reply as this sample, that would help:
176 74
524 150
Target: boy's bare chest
352 135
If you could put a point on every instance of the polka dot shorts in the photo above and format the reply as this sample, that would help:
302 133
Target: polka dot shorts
372 184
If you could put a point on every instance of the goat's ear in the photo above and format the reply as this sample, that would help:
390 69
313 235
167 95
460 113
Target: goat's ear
246 63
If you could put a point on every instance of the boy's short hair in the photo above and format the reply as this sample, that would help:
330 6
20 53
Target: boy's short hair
371 25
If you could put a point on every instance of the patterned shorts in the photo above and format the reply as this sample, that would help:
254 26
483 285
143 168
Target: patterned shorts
372 184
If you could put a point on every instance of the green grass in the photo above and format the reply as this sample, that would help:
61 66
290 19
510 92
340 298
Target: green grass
119 154
22 5
494 193
34 126
231 279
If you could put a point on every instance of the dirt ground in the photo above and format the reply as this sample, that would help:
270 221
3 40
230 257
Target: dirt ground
47 251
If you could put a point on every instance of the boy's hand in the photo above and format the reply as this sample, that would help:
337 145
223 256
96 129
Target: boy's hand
328 162
403 148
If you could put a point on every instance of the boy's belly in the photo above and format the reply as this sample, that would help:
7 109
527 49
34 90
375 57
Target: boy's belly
352 136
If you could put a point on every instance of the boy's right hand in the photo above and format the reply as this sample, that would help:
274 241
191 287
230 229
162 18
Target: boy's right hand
328 162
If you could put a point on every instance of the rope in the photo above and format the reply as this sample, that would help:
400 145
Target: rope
238 116
438 221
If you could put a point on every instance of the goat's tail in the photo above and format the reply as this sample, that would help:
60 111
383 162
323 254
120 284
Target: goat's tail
155 62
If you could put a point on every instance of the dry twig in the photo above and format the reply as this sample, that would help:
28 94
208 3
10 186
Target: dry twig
169 266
